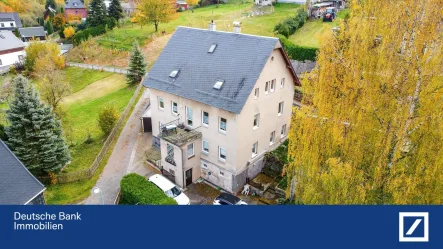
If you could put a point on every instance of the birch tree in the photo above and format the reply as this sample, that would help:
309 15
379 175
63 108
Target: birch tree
374 130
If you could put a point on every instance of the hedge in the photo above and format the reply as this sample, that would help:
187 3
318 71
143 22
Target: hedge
288 26
298 53
83 35
135 189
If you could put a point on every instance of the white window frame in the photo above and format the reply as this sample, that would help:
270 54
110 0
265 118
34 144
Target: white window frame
203 147
187 150
267 87
280 110
256 93
219 125
172 107
187 116
272 85
272 138
254 149
161 100
283 131
219 154
203 122
282 83
256 117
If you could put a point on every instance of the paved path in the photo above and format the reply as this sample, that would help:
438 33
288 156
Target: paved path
97 67
123 155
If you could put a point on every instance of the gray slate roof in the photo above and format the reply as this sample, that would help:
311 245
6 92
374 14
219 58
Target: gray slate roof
237 60
17 184
11 16
9 41
32 32
71 4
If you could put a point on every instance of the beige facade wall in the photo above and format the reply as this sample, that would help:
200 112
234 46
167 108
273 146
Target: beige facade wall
267 106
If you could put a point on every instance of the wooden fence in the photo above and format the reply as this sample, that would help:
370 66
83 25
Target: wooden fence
89 172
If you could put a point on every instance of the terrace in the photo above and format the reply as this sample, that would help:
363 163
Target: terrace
178 134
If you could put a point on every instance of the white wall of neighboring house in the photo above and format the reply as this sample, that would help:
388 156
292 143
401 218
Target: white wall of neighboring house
7 24
11 58
264 2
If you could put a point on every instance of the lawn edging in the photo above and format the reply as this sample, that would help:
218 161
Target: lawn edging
89 172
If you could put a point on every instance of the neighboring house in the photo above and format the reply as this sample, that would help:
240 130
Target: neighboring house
10 21
181 4
17 185
264 2
128 8
37 33
232 93
12 49
75 7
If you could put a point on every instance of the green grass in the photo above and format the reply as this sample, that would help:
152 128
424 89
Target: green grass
80 78
74 192
224 15
308 35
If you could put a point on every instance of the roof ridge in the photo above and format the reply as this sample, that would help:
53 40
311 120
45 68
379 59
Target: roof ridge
228 32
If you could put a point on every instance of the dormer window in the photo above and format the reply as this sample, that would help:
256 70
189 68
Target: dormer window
218 84
174 73
75 4
212 48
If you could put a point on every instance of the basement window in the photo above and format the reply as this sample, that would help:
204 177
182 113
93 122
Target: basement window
212 48
174 73
218 84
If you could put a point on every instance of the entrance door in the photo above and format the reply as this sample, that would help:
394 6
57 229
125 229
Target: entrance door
188 176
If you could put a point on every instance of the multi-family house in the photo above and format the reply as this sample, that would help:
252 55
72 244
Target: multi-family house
219 102
75 8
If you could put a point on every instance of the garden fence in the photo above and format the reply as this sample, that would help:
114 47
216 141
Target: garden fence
99 68
89 172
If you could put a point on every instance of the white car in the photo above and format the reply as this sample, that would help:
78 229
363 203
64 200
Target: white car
170 189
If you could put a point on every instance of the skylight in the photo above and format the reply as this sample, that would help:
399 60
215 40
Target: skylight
174 73
212 48
218 84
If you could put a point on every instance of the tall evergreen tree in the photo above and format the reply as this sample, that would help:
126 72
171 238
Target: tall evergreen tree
115 10
34 133
96 13
137 66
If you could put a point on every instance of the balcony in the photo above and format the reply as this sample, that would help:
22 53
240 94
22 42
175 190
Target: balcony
178 134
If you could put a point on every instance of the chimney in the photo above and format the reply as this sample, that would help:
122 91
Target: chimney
212 26
237 27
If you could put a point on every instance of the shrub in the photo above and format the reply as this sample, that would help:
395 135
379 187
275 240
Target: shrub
298 53
84 35
135 189
288 26
107 118
68 32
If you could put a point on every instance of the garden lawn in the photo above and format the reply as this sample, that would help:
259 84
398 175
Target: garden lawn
308 34
82 109
79 78
123 38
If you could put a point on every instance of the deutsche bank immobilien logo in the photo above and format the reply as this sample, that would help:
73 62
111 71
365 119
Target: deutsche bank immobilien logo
414 226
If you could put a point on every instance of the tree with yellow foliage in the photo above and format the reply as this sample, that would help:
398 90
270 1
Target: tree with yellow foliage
374 131
156 12
69 32
37 49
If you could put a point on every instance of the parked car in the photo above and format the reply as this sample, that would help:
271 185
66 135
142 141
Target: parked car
228 199
170 189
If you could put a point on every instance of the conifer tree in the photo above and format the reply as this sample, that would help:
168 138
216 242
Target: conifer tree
137 66
115 10
34 134
96 13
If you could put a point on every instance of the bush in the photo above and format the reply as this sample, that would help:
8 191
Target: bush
110 23
288 26
107 118
84 35
298 53
135 189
